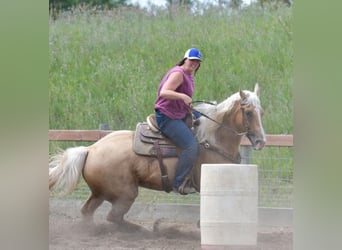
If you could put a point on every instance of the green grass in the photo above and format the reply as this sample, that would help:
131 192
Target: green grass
105 67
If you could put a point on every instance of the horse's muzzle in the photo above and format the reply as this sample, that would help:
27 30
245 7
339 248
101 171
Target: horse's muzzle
257 142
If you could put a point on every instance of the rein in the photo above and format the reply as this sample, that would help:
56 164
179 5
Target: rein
219 123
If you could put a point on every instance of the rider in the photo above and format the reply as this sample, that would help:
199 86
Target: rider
172 106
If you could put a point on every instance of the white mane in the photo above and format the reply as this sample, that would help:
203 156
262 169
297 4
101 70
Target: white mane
206 129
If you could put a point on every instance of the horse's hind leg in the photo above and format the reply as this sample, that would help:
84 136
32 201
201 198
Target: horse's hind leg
116 215
119 209
90 206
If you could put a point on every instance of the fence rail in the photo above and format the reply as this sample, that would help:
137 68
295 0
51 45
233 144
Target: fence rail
94 135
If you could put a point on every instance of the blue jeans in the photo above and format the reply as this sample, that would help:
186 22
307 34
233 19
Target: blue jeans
179 133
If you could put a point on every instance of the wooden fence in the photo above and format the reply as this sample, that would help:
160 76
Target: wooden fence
94 135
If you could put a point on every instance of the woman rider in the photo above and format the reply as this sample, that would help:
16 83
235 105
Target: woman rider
172 106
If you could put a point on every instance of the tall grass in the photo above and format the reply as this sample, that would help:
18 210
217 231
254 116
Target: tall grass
105 66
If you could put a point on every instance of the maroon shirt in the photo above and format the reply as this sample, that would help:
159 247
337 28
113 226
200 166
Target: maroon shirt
175 109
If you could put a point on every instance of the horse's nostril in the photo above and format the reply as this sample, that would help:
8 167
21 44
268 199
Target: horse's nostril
259 144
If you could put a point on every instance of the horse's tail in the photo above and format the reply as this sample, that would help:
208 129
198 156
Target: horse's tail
65 169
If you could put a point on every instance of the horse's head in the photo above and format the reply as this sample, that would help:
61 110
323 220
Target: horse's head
250 118
240 114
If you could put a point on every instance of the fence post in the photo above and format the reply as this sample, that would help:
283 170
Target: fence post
246 154
103 126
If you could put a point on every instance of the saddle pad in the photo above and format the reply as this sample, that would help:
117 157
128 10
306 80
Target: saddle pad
146 131
144 139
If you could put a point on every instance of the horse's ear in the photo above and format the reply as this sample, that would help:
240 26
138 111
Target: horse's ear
257 89
243 97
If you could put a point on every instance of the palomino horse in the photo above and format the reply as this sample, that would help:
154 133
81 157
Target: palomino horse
113 171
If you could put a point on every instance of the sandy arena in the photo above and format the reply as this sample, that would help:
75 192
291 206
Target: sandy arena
68 231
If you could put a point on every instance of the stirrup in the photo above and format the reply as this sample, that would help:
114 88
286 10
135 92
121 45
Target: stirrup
185 187
151 121
186 190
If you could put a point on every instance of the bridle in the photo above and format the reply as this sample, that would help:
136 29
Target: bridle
212 147
245 119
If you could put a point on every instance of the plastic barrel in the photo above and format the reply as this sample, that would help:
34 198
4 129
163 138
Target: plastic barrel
229 205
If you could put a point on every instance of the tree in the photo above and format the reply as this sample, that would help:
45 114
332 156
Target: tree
175 5
57 5
286 2
235 4
179 2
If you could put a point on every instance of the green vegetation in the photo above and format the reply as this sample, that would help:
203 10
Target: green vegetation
105 66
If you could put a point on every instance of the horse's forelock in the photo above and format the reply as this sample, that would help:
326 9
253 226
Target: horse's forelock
253 99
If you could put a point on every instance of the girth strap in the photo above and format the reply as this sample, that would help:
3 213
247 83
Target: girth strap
163 170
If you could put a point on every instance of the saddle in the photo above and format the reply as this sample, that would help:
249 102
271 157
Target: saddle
148 140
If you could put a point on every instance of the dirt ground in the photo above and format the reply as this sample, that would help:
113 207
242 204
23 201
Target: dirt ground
68 231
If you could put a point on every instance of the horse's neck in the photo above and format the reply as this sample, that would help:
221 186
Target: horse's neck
221 136
228 140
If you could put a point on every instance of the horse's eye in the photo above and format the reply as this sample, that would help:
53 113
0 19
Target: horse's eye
249 114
